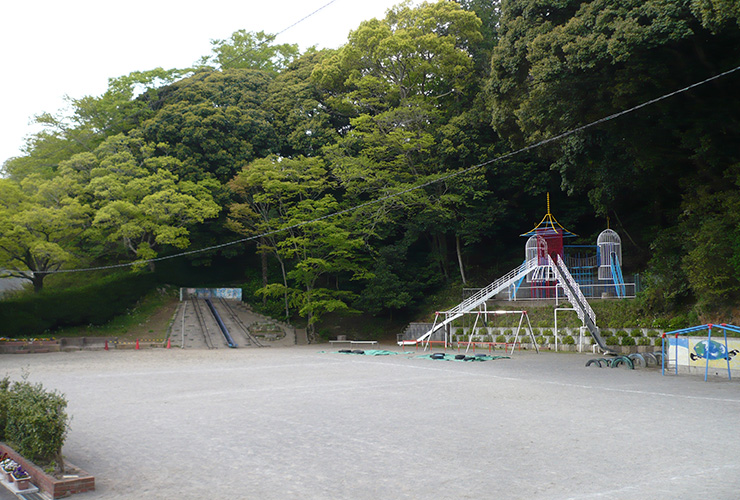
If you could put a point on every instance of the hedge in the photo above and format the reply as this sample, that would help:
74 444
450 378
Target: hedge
94 304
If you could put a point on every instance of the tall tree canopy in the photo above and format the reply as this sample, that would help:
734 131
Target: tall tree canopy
560 65
428 95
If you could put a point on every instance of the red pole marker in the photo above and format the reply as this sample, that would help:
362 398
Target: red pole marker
168 343
106 345
137 343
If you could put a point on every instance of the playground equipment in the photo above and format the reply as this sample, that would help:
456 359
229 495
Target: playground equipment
597 269
224 331
546 271
630 361
708 350
425 340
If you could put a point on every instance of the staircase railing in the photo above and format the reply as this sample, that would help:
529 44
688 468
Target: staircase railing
583 309
500 284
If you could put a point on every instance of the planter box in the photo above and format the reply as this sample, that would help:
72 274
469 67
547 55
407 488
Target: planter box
28 346
53 487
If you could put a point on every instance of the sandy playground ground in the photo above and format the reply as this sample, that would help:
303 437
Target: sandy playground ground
283 423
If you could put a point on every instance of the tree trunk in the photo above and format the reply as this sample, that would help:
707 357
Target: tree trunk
460 260
38 281
263 258
285 287
310 328
441 252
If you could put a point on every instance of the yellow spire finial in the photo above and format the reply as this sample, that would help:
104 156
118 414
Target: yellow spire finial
548 204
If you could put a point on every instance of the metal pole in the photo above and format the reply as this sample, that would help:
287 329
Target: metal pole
727 355
531 333
662 356
676 354
706 353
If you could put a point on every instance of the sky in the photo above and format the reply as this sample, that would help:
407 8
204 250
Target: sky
52 48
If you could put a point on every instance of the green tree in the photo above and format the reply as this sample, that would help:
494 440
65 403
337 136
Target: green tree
250 50
213 122
139 202
41 227
303 121
561 65
92 119
281 196
407 83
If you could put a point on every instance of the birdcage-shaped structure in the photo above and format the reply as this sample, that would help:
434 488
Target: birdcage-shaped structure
536 248
610 253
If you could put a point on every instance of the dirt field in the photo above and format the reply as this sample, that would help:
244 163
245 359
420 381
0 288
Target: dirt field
280 423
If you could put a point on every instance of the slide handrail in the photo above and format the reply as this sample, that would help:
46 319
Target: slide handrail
500 284
583 308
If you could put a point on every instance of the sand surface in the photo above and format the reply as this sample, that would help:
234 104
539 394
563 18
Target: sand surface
279 423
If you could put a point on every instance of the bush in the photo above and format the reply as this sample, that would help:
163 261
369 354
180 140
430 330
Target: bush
501 339
644 341
621 333
541 340
660 323
4 401
628 341
652 333
612 340
36 422
569 340
678 322
637 333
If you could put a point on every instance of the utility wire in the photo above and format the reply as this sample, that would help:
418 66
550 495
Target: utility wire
410 189
302 19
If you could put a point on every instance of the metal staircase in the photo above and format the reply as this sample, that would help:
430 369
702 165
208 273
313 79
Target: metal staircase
576 298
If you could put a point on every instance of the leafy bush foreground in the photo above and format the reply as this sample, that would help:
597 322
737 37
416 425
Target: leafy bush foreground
33 421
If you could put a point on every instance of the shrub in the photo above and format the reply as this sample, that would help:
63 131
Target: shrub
612 340
628 341
637 333
37 422
569 340
621 333
546 332
678 322
4 400
540 340
644 341
501 339
660 323
652 333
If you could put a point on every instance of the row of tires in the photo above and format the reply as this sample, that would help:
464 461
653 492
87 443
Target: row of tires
637 359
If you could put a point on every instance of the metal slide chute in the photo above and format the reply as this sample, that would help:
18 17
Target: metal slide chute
476 300
225 331
617 275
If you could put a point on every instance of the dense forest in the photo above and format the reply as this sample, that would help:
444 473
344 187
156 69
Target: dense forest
366 177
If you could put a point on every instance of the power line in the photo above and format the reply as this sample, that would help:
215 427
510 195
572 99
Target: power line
302 19
410 189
